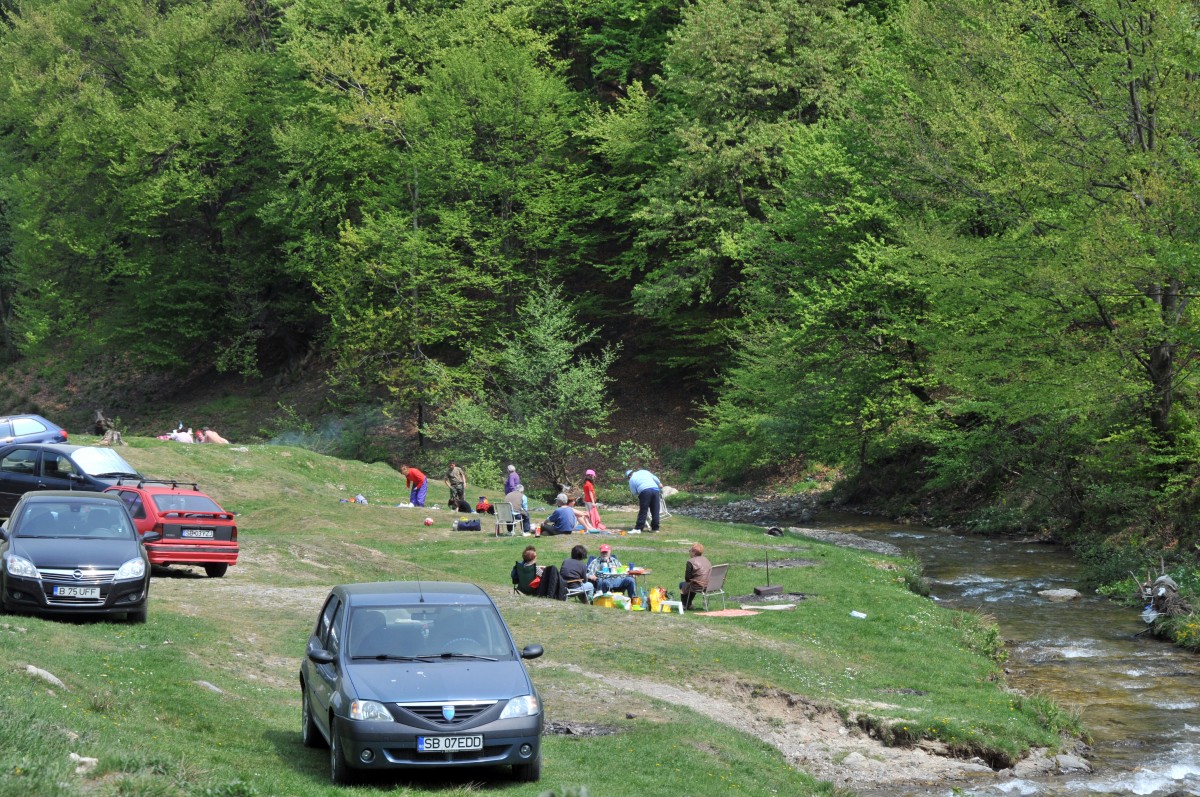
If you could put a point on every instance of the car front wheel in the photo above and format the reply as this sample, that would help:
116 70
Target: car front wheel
216 570
531 772
310 734
339 771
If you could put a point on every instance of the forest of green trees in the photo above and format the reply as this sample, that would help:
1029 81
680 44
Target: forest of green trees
948 247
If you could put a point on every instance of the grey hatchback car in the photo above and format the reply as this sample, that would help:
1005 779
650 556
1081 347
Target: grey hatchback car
418 675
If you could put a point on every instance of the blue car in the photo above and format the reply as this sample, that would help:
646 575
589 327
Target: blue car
418 676
30 429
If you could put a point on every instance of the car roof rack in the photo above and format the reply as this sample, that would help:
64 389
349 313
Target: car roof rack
142 482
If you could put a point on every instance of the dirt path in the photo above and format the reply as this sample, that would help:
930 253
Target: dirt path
811 737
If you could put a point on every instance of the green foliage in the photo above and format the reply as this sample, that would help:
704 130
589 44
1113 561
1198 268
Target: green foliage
135 156
541 396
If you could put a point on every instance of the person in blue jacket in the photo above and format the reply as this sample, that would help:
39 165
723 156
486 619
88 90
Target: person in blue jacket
648 489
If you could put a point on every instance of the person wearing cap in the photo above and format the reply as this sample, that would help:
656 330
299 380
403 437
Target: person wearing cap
604 569
512 480
695 575
589 499
520 505
562 519
648 489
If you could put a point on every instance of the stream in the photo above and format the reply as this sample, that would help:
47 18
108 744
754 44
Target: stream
1138 697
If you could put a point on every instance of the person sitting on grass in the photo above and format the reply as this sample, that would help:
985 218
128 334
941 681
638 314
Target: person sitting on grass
581 517
604 568
562 520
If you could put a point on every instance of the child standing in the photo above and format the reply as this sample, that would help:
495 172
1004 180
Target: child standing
589 499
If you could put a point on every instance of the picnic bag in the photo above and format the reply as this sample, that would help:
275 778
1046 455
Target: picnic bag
467 525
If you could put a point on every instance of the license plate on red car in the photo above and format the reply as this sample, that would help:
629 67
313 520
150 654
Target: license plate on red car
198 534
449 744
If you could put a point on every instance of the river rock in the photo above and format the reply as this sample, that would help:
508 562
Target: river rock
1071 763
1061 595
1037 763
769 510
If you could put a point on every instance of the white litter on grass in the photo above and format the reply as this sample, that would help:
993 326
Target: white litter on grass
211 687
86 764
859 615
49 678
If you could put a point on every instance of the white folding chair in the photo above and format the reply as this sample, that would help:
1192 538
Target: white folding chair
716 585
507 520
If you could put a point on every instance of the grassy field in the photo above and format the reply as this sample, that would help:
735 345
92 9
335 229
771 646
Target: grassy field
203 699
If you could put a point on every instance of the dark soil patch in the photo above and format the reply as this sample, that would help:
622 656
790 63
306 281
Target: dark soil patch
783 563
784 548
579 729
786 597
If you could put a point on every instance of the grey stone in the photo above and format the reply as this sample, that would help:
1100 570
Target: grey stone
1071 763
1060 595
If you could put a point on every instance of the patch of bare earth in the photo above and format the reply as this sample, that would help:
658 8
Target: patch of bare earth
811 736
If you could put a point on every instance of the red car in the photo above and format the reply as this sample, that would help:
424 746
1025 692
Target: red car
195 529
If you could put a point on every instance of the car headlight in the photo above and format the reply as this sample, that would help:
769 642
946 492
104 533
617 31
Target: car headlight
369 710
134 568
20 566
523 706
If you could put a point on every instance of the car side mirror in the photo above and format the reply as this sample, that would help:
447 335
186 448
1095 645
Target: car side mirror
151 536
318 654
532 651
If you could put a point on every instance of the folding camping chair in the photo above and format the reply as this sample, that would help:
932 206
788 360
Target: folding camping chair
716 585
578 588
506 519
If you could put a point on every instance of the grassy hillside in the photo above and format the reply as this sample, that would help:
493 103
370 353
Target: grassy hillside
203 699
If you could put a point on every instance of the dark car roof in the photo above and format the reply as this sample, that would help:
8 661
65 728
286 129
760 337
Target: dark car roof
61 448
44 496
392 593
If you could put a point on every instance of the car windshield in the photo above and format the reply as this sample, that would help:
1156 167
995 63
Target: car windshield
436 632
185 503
101 462
76 518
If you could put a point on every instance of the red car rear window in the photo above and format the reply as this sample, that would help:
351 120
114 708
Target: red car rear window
185 503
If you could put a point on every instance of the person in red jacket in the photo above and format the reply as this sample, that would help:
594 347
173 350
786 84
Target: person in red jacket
589 499
416 480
